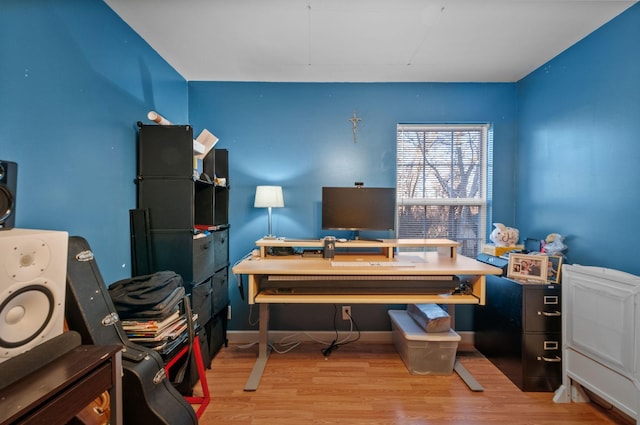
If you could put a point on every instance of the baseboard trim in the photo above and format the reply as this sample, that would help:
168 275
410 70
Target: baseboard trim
380 337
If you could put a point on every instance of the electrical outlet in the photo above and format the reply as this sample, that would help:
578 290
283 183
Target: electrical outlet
346 312
228 312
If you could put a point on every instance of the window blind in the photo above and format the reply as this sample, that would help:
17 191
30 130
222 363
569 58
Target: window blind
441 181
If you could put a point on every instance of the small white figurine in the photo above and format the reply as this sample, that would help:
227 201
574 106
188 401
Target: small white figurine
504 236
554 244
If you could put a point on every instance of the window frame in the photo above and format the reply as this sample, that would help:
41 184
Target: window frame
482 202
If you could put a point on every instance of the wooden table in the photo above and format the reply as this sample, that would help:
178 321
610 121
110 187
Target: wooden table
54 394
412 278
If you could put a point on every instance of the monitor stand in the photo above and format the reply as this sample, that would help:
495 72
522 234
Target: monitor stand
357 238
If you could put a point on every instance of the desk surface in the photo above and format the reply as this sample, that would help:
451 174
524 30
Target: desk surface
427 263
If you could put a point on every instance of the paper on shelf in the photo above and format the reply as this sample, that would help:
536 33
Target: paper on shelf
208 140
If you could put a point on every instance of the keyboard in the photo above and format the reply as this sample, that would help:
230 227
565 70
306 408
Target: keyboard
372 264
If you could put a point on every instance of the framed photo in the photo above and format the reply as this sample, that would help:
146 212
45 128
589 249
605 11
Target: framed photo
528 267
554 266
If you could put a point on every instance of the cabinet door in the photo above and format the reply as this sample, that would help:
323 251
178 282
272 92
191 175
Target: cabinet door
169 201
173 250
218 164
205 199
165 151
221 213
222 163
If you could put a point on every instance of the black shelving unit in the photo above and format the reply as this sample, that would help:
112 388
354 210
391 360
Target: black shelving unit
184 222
520 329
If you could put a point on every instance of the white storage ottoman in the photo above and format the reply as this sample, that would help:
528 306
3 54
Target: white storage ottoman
423 353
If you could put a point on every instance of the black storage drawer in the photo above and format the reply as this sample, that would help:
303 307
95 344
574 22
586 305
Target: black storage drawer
221 248
543 309
217 333
519 331
203 257
542 362
220 291
542 354
201 303
180 252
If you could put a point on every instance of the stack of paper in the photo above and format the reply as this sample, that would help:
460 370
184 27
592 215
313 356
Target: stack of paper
157 334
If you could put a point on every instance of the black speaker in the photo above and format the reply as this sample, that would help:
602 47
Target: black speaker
8 184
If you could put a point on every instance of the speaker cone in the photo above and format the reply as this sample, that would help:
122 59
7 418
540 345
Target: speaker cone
6 203
25 314
8 185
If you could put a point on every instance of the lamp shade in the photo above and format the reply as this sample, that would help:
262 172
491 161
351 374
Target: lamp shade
269 196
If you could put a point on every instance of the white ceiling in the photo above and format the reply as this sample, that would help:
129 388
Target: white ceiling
362 40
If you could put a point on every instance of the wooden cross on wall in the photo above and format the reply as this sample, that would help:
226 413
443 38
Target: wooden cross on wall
355 120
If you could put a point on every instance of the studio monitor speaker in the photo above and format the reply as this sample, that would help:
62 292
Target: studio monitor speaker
8 184
33 270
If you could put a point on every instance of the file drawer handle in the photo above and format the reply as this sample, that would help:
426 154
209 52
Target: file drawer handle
556 359
550 313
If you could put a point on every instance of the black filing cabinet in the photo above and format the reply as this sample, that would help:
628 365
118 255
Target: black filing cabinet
519 331
185 221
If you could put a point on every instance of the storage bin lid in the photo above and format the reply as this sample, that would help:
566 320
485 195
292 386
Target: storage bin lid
412 331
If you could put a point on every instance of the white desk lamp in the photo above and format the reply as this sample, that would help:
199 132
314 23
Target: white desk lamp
269 197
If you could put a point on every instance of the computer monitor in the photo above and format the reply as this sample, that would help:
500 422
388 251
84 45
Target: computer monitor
358 208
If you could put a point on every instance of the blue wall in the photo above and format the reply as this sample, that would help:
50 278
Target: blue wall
299 136
74 79
579 147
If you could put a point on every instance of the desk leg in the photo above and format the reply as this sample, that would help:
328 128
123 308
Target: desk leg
468 379
462 372
263 349
116 390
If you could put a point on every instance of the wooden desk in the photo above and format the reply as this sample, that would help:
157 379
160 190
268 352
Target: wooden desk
432 268
54 394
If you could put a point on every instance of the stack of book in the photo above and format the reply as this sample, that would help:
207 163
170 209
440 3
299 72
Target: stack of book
162 335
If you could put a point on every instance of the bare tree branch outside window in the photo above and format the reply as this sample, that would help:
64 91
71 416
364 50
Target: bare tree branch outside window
441 181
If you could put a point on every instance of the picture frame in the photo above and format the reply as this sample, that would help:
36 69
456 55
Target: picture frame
528 267
554 267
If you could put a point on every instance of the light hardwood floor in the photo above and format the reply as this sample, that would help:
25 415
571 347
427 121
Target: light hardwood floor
367 383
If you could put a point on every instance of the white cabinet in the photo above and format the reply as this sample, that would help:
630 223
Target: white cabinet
601 311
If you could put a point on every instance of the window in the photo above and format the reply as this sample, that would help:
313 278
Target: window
443 175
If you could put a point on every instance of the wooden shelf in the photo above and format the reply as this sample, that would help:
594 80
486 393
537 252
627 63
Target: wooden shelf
444 247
